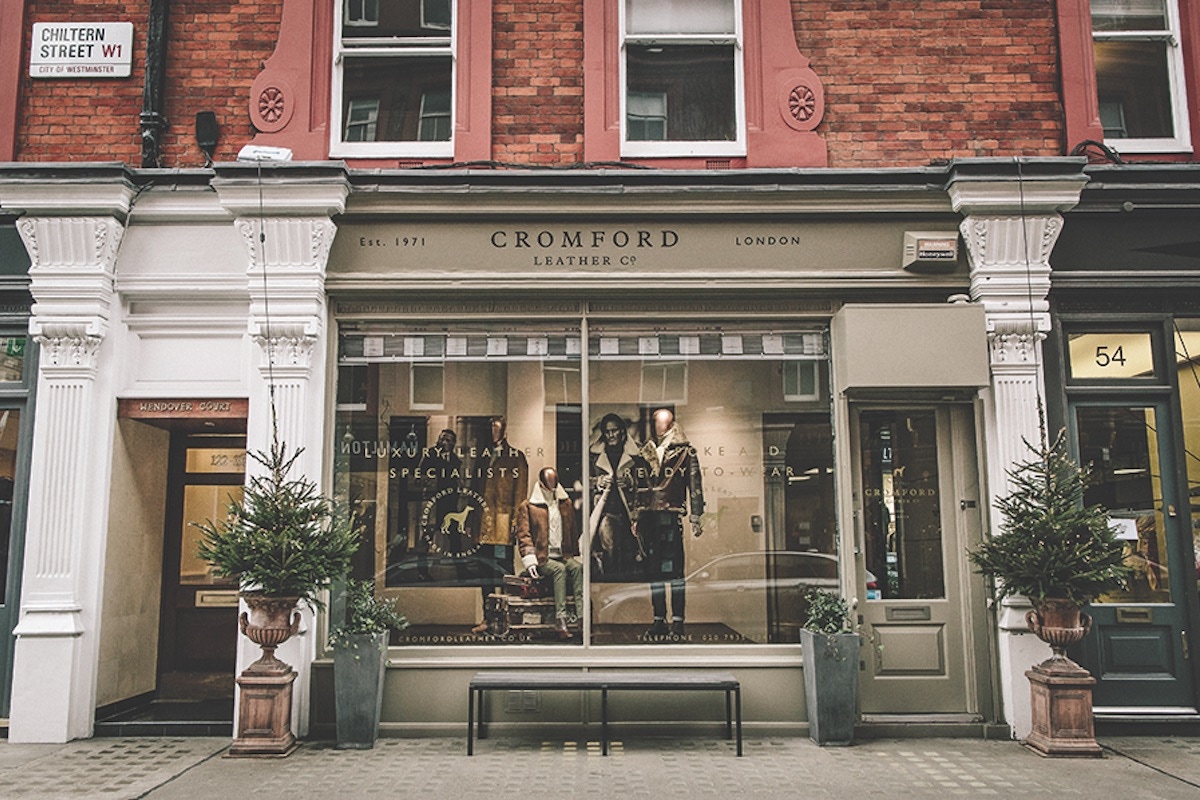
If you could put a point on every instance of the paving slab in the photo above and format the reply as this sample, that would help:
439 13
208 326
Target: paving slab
91 769
1134 768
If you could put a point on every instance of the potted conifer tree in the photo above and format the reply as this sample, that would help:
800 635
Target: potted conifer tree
359 643
1060 554
283 544
830 668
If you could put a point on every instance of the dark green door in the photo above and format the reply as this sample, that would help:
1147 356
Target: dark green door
1138 649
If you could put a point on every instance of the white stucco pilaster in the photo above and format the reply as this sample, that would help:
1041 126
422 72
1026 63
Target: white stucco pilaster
284 217
72 231
1011 219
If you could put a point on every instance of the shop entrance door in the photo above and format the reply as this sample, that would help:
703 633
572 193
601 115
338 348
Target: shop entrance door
198 632
921 611
1138 648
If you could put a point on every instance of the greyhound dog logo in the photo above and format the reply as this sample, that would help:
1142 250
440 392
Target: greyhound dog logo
458 518
450 521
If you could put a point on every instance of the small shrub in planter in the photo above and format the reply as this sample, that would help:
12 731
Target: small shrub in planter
359 644
830 668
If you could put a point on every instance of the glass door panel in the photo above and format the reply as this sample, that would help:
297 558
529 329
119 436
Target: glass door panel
1138 649
900 504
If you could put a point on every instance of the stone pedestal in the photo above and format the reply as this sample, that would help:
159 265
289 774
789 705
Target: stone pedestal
265 714
1061 697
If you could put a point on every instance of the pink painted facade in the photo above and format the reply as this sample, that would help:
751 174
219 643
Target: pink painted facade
825 84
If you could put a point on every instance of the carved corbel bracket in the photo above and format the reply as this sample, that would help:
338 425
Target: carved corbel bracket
286 344
287 242
71 242
69 344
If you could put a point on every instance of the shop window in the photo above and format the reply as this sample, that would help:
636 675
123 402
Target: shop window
683 78
12 359
394 67
1139 74
455 502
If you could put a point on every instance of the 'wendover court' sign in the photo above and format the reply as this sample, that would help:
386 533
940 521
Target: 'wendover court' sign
81 49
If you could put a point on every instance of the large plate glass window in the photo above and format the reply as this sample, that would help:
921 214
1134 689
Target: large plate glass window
446 437
682 78
1139 75
441 436
394 78
711 470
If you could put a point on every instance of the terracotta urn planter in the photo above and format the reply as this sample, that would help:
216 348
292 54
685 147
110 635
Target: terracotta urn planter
270 622
1060 624
1060 689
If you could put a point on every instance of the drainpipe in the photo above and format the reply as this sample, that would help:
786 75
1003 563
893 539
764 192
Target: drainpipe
153 122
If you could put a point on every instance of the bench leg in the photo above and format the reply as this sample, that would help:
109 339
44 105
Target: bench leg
471 721
738 703
604 722
728 714
479 714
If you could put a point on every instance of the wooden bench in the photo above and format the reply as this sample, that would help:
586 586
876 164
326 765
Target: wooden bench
667 680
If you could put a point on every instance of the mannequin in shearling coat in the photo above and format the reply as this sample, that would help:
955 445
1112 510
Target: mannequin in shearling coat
670 489
549 543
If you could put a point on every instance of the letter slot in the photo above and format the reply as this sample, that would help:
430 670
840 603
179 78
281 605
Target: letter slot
908 614
1135 616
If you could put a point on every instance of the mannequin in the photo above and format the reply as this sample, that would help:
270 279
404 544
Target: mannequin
615 465
549 543
671 488
503 483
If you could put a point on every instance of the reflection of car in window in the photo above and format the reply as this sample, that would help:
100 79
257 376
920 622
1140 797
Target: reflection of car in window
434 569
746 592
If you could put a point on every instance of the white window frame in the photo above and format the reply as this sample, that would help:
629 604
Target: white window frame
389 48
1181 141
669 148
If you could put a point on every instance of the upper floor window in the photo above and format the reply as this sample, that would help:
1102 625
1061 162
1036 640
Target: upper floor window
1139 75
393 87
683 86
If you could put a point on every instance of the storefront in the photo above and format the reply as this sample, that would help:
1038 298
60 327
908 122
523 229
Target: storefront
1127 391
741 399
747 384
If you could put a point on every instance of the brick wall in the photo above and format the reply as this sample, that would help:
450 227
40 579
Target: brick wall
215 49
911 81
537 77
906 81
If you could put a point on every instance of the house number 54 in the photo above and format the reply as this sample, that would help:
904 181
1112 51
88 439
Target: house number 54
1105 358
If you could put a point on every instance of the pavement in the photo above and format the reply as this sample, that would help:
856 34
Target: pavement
1155 768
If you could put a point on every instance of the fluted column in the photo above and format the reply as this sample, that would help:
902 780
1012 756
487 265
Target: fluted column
1011 219
72 232
284 217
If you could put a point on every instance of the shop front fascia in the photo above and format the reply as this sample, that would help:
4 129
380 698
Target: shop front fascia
571 304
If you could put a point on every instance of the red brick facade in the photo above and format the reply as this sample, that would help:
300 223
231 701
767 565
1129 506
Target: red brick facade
906 82
537 74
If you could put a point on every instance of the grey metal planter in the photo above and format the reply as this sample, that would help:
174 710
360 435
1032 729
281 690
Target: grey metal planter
831 685
359 663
